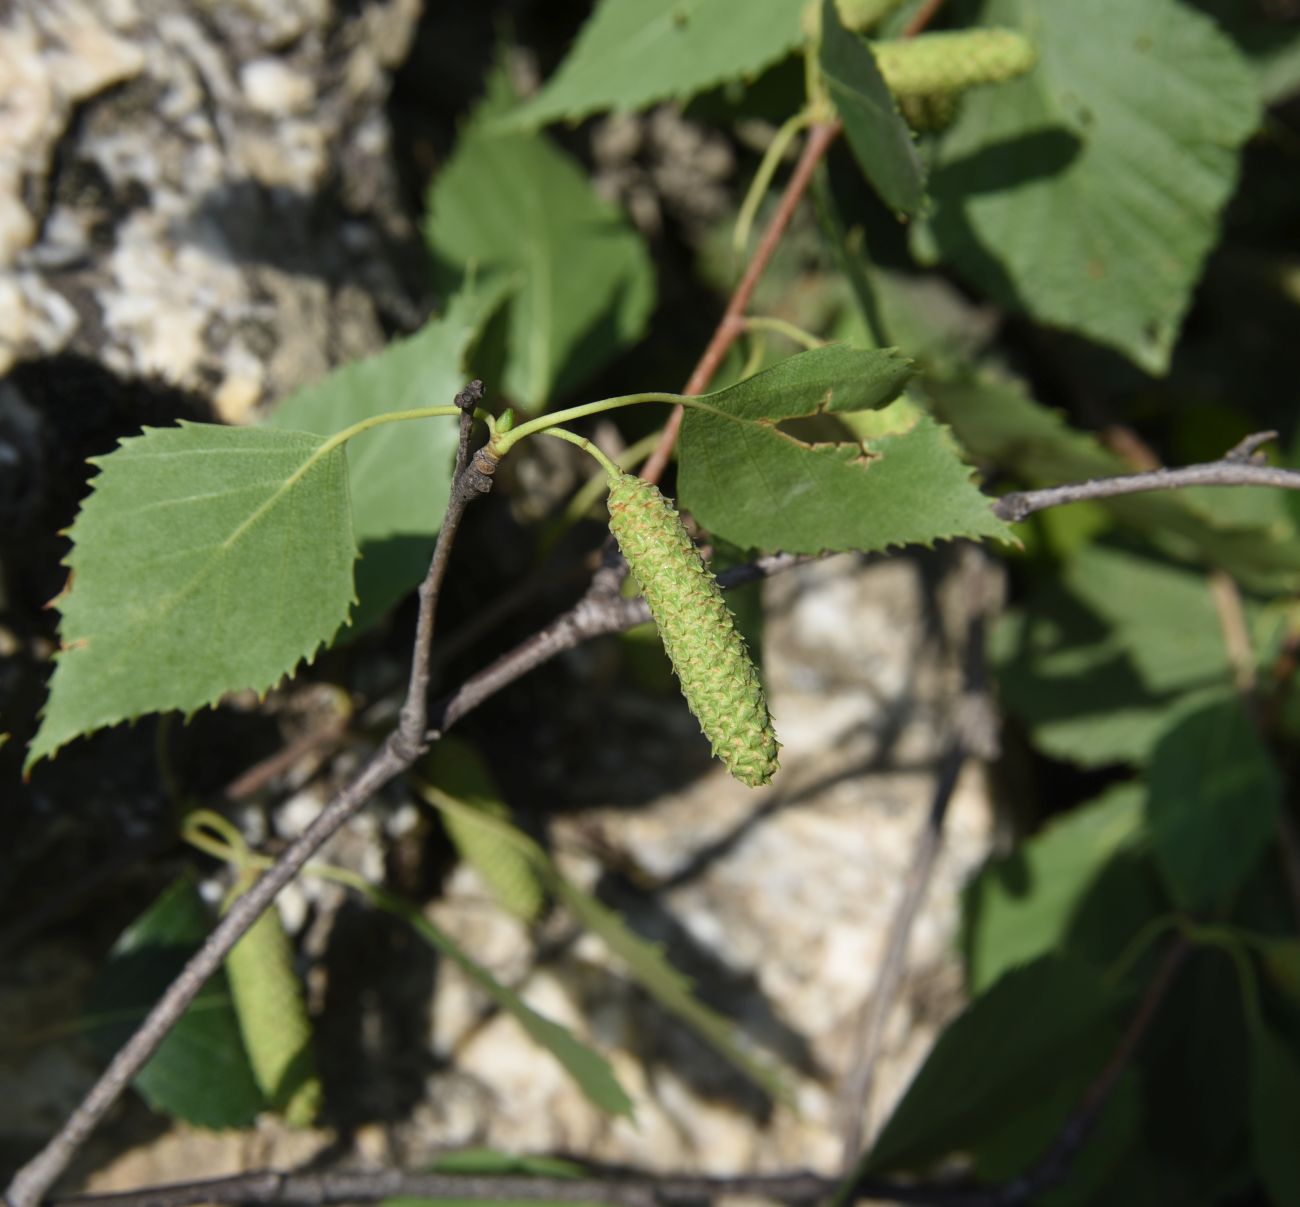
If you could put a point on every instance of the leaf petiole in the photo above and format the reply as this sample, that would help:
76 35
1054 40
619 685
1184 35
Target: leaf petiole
390 417
503 441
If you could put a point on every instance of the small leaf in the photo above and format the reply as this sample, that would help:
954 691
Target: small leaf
1213 804
200 1072
456 768
206 559
1088 193
747 480
633 53
1039 1025
877 133
399 473
1021 905
516 202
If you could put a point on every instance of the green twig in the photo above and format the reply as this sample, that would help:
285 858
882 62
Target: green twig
762 181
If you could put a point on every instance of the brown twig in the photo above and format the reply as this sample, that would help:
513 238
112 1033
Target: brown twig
318 1189
876 1010
921 18
601 610
731 325
30 1184
1022 504
973 731
629 1188
253 779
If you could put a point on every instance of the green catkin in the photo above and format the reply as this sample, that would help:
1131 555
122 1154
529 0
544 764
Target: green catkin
952 62
713 666
273 1020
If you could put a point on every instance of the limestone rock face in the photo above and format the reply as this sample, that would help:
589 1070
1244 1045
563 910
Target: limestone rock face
198 193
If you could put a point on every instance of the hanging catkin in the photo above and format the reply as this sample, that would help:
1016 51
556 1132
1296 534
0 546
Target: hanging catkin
716 673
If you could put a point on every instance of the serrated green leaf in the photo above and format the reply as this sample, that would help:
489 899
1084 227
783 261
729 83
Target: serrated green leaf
1274 1094
1212 805
746 479
516 202
200 1072
206 559
1021 905
588 1068
877 133
1088 193
1039 1025
633 53
644 960
399 473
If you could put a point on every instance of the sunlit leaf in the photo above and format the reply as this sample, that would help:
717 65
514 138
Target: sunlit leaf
206 559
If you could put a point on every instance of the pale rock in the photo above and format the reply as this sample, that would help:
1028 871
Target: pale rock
271 86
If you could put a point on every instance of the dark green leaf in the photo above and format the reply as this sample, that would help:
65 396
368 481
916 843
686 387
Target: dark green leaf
1022 1142
1281 960
632 53
1101 666
516 202
877 133
1274 1098
1213 800
200 1073
399 473
1021 906
758 485
206 559
1088 193
1040 1024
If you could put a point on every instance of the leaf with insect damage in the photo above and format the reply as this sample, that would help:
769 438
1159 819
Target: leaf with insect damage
771 463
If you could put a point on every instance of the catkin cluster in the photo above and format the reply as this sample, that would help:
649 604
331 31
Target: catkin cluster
717 675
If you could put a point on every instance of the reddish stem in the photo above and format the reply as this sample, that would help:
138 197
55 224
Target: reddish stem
732 323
